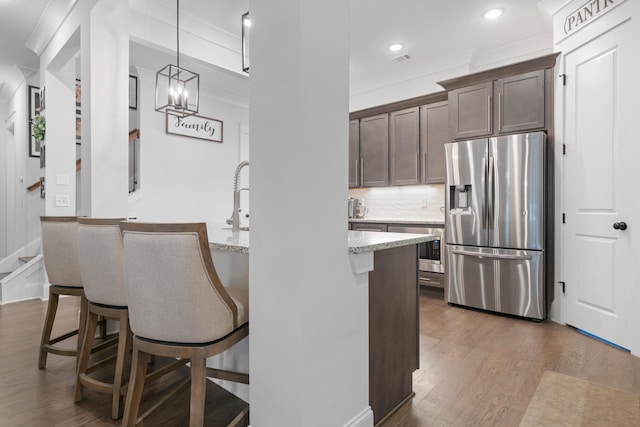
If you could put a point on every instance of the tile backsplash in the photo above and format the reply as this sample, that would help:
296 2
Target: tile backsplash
419 202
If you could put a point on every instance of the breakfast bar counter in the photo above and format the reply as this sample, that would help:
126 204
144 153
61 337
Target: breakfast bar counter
388 262
222 239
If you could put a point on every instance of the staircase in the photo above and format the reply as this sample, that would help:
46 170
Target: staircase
23 260
22 275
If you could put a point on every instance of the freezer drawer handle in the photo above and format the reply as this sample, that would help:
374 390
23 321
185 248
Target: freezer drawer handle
475 254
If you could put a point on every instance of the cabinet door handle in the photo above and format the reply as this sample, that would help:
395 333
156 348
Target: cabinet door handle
489 113
499 111
357 172
424 167
361 172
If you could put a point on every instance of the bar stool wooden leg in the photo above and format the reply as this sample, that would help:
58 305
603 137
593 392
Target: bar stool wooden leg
52 308
85 353
198 388
84 308
122 363
103 328
136 385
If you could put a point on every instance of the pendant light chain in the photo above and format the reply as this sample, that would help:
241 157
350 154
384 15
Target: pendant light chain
177 89
178 32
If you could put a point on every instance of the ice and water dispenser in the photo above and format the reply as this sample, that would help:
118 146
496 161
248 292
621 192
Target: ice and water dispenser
459 197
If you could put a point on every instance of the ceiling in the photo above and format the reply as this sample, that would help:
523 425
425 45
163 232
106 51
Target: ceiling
429 29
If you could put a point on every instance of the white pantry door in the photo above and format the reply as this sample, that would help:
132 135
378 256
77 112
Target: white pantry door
602 186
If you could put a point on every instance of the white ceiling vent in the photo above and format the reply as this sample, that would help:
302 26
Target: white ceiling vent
401 58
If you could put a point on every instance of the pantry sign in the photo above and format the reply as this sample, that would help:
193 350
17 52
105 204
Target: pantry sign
586 13
194 126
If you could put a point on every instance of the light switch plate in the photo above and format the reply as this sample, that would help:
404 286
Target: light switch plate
62 180
62 200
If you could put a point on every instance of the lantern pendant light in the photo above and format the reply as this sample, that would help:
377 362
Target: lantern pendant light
177 89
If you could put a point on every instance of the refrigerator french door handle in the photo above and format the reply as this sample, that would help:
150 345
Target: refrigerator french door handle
485 207
491 193
495 256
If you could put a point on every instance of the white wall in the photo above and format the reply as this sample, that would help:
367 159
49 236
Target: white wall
182 178
309 317
58 61
19 208
4 135
153 22
60 170
421 79
107 49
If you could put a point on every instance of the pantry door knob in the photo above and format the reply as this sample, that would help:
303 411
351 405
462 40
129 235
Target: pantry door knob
620 225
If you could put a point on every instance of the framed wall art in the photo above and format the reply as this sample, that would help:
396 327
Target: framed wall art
194 126
34 110
133 92
78 112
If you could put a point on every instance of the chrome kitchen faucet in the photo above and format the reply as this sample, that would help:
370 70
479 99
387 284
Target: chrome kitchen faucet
235 215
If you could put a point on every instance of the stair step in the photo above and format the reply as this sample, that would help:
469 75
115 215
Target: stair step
26 259
3 275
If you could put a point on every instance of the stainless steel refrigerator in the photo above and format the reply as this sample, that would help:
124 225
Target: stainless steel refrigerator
494 225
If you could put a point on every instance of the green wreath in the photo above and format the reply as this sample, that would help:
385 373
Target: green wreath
39 127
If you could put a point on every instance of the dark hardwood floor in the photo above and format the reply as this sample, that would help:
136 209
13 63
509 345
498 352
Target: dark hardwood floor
475 369
480 369
33 397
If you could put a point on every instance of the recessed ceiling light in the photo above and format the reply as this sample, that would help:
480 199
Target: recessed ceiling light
395 47
492 14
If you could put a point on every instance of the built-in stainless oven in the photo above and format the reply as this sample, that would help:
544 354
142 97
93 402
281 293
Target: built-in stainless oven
431 254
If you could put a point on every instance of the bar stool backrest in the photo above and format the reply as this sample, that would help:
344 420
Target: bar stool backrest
60 250
173 290
101 258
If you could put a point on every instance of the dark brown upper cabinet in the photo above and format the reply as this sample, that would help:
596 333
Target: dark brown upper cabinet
404 146
513 98
354 153
434 133
389 147
519 102
374 151
471 111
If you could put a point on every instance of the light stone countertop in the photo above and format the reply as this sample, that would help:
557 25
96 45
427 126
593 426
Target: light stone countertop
358 241
369 241
224 240
435 221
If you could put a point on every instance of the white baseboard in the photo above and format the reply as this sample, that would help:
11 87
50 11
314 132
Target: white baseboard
11 263
363 419
23 284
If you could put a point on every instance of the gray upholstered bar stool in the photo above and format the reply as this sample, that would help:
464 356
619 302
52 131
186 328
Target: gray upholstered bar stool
178 307
60 252
100 254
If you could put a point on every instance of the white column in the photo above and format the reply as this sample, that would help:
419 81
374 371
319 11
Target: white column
106 120
60 146
6 138
308 336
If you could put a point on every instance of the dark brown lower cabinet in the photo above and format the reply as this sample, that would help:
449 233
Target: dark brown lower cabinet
393 329
368 226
